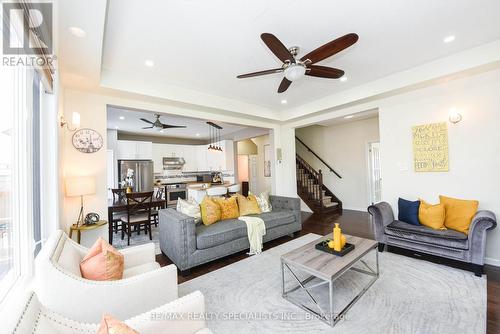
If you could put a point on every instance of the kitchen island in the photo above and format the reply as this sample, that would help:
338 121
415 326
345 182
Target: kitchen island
198 190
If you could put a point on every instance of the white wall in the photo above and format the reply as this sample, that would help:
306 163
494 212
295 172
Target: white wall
344 147
263 183
474 145
75 163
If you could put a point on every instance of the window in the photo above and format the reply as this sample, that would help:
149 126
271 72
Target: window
19 174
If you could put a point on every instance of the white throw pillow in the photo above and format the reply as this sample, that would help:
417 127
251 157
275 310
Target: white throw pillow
263 201
190 208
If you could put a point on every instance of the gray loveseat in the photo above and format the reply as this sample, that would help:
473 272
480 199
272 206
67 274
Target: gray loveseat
444 243
189 244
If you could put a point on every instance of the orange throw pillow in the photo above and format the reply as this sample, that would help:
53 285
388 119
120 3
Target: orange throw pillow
228 208
248 205
459 213
110 325
102 263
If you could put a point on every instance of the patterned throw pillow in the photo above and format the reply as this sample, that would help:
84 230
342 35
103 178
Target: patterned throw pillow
110 325
264 202
228 207
190 208
248 205
102 263
210 211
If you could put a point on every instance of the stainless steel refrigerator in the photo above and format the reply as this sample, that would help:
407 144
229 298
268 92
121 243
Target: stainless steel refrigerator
142 178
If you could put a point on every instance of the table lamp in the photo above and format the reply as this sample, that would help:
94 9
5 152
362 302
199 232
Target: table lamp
80 186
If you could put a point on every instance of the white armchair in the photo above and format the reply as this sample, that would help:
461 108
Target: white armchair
31 316
61 288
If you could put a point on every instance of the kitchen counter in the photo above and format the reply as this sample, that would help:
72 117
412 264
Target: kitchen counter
197 192
199 185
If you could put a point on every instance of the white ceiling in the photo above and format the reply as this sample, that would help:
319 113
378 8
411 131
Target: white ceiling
132 124
203 45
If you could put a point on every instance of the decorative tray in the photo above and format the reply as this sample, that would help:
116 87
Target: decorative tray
323 246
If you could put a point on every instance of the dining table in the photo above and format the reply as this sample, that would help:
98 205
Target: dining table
121 206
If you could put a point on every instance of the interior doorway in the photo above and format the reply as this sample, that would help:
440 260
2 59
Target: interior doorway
374 172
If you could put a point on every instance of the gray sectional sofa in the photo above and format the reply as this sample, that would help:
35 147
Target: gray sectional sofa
444 243
189 244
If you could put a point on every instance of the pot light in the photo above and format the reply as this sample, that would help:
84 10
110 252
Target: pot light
149 63
197 135
116 127
348 116
449 39
78 32
122 118
284 101
343 79
295 72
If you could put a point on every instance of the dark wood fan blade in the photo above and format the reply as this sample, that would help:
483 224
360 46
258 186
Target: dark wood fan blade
285 83
149 127
145 120
166 126
324 72
331 48
254 74
275 45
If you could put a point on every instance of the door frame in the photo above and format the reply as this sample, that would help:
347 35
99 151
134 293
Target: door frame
370 180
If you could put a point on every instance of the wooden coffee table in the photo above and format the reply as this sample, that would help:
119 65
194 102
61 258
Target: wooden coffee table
327 268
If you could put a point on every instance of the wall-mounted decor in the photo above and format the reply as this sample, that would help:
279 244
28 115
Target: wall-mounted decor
430 147
87 140
267 160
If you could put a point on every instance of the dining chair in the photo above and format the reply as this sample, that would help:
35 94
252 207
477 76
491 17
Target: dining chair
118 196
217 191
138 213
234 189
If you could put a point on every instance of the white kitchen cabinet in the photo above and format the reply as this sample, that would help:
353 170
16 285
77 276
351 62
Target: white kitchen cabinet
157 152
190 155
200 163
133 150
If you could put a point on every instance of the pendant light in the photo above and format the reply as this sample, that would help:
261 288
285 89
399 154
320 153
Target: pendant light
210 147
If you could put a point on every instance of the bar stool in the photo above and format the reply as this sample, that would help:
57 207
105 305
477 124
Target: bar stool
234 189
217 191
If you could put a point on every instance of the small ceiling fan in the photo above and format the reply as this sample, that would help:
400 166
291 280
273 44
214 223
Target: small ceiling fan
157 125
294 68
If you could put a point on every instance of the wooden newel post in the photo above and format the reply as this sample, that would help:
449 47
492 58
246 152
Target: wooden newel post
320 189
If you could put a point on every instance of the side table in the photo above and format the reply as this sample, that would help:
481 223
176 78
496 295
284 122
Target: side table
84 227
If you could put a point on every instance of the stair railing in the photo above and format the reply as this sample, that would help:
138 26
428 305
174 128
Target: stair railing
313 190
319 158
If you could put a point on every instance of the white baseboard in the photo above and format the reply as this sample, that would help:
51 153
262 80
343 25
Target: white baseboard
492 262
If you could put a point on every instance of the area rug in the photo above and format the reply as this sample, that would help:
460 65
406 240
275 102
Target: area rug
410 296
138 239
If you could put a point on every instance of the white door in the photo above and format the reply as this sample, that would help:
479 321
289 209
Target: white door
253 177
374 172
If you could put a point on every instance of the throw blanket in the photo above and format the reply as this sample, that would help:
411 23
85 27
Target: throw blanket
256 230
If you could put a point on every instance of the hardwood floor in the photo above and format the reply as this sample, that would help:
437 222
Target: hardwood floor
356 223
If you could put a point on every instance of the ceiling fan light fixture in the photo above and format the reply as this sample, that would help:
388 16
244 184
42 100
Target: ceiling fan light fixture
295 72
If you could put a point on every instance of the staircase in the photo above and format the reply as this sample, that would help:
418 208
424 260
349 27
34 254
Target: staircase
311 189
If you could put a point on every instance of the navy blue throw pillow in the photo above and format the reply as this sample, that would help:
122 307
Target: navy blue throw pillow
408 211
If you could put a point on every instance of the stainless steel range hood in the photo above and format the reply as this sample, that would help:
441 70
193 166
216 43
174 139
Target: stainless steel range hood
173 163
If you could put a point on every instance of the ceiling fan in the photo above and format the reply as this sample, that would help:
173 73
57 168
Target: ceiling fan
157 125
294 68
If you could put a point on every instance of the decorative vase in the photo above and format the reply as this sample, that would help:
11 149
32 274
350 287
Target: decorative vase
342 240
337 233
129 190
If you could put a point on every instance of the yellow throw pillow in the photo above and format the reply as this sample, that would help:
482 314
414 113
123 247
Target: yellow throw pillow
248 205
228 207
431 215
459 213
210 211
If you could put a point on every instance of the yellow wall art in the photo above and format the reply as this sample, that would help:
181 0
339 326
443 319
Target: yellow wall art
430 147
